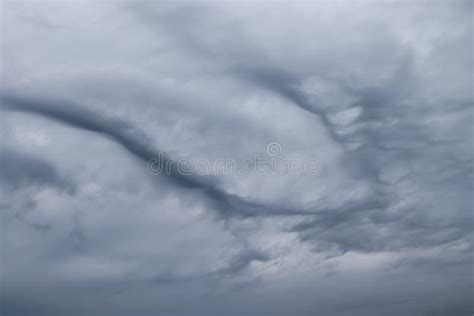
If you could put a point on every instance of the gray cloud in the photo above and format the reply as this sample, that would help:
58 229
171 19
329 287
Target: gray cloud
20 170
380 94
135 142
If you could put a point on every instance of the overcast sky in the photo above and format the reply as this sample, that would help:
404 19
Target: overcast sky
378 94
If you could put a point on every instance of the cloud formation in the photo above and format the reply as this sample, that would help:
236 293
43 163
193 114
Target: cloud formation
379 93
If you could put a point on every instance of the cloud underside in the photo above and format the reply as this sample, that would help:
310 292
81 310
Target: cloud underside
382 101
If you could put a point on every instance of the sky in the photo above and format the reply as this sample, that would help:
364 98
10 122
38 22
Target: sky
116 116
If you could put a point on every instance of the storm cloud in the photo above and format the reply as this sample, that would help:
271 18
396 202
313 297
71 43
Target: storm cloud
379 94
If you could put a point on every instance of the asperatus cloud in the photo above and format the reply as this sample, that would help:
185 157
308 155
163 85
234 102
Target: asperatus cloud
237 158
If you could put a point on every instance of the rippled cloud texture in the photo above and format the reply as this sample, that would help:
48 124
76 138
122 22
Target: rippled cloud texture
379 93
